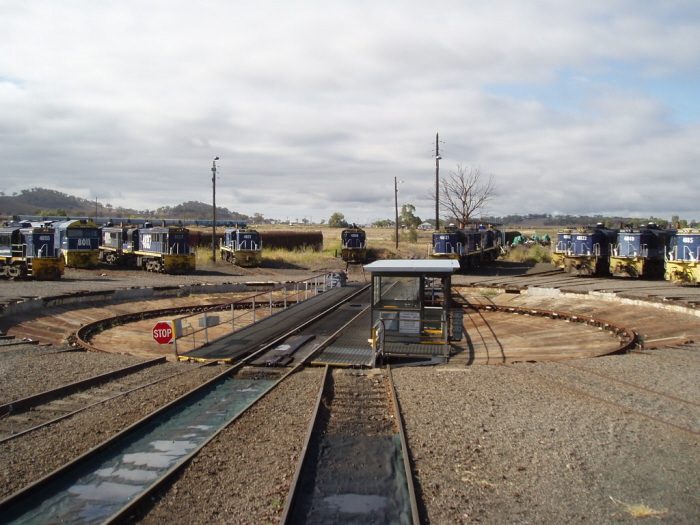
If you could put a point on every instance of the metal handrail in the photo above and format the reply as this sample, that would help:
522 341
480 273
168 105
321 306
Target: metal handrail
253 304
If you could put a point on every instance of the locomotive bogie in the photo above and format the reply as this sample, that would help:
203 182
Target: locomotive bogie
13 270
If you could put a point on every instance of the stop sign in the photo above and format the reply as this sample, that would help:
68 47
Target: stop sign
163 332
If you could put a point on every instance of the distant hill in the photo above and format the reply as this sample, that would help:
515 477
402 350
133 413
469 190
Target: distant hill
40 201
197 210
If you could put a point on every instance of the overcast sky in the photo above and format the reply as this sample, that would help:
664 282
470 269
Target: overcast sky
575 107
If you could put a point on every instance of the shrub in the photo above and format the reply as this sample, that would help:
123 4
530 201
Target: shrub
532 253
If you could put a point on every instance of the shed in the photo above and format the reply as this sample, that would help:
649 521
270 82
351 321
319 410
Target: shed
411 308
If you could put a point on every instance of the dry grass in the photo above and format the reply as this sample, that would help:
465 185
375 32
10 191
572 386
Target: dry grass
203 256
639 510
279 258
533 253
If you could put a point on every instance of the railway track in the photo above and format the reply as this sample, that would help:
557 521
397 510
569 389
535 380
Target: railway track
103 484
31 413
23 349
354 467
106 482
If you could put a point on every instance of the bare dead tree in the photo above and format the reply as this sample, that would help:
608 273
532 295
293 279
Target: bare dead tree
466 192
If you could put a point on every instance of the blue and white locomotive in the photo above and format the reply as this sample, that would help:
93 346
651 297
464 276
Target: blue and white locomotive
683 257
353 245
163 249
78 242
242 247
29 252
585 251
472 247
640 252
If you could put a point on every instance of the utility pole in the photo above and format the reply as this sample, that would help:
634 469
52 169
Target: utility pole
213 222
396 208
437 182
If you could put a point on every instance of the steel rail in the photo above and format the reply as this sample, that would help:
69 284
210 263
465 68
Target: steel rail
404 449
294 487
18 343
628 338
304 461
241 366
83 334
36 399
600 399
40 351
101 401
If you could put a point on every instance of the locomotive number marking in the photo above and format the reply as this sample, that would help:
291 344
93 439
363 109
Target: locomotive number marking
689 240
581 238
84 242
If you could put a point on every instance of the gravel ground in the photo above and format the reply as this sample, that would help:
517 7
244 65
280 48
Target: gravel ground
509 449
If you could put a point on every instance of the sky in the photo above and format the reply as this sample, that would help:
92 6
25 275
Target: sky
317 107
